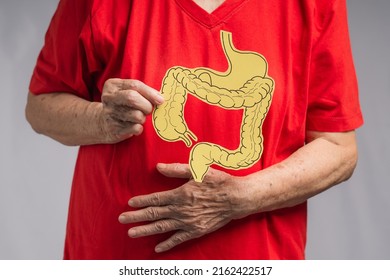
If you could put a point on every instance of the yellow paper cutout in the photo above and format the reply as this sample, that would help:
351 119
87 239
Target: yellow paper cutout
245 84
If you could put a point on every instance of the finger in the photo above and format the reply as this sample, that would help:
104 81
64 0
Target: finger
158 227
131 129
125 100
134 99
126 114
146 91
174 240
176 170
144 215
154 199
118 127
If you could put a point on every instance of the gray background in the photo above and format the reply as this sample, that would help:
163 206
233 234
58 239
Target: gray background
350 221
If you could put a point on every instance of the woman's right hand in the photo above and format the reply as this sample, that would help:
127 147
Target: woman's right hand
126 103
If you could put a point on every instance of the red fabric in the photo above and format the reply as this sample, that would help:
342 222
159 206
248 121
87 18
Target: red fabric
306 45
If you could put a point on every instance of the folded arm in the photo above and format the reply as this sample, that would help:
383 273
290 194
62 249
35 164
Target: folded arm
74 121
326 160
196 209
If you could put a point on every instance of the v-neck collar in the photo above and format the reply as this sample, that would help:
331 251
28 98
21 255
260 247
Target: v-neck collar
210 20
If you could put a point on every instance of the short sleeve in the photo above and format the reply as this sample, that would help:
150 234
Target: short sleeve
66 61
333 90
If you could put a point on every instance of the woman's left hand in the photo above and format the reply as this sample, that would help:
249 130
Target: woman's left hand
191 210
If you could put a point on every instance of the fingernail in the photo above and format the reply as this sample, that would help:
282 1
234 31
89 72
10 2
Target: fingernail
161 165
122 219
158 249
132 233
131 203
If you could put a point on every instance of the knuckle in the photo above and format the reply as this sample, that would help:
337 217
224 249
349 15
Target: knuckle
177 167
148 109
182 237
106 98
179 238
132 97
160 227
188 194
137 129
112 80
173 209
138 117
109 84
134 84
152 213
156 200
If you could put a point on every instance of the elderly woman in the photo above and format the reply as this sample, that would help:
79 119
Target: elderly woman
203 126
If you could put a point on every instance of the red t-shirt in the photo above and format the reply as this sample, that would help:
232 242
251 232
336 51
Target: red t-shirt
304 51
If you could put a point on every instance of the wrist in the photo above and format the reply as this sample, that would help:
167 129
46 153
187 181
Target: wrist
97 123
243 196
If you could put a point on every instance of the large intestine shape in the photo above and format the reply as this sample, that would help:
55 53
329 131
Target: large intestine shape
244 85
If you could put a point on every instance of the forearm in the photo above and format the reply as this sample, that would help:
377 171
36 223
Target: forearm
317 166
195 209
66 118
74 121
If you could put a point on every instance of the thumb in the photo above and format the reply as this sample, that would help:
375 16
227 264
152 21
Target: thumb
175 170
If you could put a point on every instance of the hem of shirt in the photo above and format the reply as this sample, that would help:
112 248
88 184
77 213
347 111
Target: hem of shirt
334 124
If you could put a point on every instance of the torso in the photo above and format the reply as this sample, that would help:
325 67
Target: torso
151 47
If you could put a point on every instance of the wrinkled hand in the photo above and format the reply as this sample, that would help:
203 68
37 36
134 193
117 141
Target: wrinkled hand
192 210
126 103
